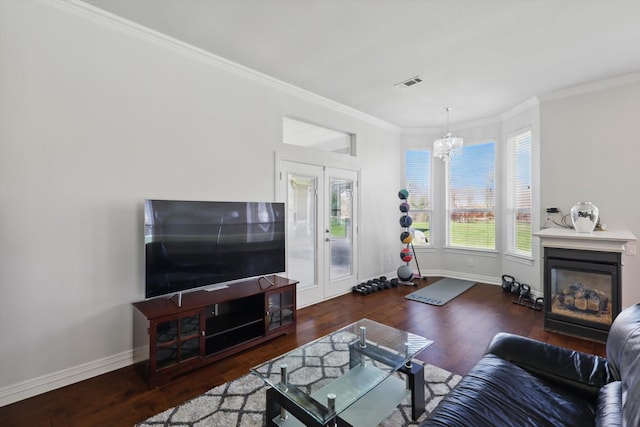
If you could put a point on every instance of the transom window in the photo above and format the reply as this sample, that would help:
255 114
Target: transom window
302 134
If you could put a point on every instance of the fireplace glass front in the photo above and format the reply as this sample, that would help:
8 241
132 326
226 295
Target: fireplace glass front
582 291
582 295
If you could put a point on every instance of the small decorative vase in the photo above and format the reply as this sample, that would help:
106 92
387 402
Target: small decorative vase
584 216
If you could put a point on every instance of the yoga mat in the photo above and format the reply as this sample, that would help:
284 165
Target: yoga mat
441 292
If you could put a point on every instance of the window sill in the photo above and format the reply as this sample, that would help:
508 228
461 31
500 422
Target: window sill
491 253
424 248
522 259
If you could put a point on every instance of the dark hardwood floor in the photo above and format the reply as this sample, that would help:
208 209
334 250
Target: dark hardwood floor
461 330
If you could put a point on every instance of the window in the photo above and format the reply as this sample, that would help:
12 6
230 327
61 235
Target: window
471 221
302 134
518 197
418 183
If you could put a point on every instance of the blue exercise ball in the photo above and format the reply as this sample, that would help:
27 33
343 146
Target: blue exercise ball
406 221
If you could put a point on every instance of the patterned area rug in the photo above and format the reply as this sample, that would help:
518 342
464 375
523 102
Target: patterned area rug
241 403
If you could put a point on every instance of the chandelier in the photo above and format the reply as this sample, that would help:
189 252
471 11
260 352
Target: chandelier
448 145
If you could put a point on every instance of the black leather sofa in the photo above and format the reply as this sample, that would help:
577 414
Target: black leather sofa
524 382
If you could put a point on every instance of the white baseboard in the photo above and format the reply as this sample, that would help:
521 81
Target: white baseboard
64 377
463 276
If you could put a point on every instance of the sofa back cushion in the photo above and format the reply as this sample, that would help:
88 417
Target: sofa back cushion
623 354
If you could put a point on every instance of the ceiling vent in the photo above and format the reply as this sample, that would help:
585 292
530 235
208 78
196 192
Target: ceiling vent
409 82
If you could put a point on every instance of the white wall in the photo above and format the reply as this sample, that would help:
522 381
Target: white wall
590 149
94 118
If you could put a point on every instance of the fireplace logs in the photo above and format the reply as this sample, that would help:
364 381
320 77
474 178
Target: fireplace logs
579 302
578 297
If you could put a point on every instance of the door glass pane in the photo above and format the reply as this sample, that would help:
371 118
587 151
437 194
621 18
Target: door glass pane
287 299
340 227
190 326
274 311
301 236
167 356
189 348
167 331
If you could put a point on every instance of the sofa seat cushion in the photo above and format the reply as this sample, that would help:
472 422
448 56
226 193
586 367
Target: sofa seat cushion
498 393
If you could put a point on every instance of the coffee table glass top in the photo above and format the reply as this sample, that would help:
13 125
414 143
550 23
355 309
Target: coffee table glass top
347 363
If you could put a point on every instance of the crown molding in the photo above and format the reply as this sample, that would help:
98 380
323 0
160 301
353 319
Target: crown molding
520 108
591 87
459 127
422 131
118 23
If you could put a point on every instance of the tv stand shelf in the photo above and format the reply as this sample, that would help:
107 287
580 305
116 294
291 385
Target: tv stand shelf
211 325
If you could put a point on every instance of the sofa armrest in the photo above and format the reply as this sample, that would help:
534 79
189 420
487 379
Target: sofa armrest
580 373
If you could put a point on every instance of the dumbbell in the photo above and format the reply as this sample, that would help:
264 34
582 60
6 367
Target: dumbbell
373 286
378 284
382 282
370 289
385 284
359 290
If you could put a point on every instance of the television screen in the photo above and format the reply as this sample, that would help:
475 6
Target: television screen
191 244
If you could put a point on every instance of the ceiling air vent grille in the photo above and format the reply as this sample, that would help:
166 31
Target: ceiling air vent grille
409 82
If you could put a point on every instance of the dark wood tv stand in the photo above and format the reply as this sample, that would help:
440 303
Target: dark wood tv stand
212 324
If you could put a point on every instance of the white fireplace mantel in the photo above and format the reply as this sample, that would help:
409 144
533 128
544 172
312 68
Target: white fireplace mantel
607 241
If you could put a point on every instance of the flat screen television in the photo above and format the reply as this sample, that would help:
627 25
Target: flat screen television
193 244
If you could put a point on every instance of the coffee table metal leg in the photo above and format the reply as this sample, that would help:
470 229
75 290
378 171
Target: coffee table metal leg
273 407
415 382
277 402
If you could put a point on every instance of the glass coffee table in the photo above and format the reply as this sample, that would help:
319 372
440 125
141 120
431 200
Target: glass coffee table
345 378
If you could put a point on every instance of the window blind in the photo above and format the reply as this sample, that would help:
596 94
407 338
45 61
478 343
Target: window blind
471 198
418 183
519 193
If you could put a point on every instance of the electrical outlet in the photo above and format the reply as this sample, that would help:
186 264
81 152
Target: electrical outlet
470 262
630 249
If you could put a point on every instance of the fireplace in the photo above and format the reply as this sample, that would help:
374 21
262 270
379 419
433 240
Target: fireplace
582 291
582 283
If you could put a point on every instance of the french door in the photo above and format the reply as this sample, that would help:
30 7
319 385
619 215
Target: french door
321 229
